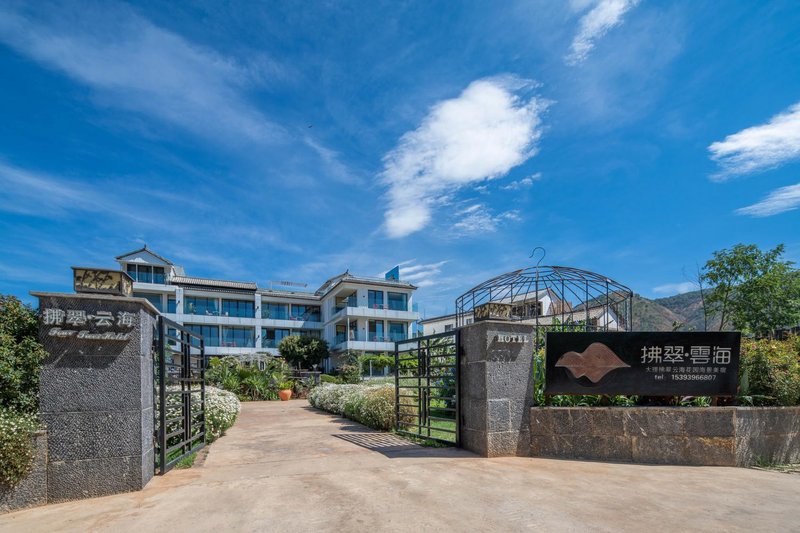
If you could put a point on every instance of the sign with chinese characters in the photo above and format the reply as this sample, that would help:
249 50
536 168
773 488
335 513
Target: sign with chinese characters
96 326
96 280
643 363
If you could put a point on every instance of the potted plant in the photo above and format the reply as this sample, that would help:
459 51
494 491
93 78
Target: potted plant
285 391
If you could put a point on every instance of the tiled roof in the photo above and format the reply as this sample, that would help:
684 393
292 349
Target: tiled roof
214 283
144 249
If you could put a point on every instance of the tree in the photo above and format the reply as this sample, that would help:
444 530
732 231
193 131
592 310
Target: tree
21 356
301 350
752 290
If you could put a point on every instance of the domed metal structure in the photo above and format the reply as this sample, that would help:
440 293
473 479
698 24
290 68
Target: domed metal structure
555 298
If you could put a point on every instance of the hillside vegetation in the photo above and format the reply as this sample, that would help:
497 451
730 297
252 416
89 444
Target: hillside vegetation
663 314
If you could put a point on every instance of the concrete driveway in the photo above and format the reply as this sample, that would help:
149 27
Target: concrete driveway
287 467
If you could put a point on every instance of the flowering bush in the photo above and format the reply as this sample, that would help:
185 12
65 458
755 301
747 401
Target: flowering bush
371 405
16 445
222 409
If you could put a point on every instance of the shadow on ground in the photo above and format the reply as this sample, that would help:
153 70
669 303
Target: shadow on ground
387 444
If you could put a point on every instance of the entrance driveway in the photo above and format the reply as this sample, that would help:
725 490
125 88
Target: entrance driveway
287 467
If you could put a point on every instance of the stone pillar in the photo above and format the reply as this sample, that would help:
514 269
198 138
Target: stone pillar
96 393
496 386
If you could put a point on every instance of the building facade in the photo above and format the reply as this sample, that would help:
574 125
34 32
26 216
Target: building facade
240 318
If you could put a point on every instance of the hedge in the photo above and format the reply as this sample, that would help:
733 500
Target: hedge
371 405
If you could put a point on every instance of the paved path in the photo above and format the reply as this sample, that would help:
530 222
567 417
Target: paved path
286 467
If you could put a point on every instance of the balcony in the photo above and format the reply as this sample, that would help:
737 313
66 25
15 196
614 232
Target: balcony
382 312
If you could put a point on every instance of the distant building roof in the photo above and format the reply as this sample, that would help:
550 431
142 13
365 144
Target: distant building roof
144 249
214 283
347 276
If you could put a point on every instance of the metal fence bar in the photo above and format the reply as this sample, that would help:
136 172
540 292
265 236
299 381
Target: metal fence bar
424 405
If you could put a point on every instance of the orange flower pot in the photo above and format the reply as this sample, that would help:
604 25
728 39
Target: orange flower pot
285 395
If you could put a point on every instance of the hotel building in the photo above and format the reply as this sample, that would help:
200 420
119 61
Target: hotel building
240 318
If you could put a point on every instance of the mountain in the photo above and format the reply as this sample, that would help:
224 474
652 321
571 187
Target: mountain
663 314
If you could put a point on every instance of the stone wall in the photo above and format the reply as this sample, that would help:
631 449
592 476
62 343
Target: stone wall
96 399
496 385
32 490
713 436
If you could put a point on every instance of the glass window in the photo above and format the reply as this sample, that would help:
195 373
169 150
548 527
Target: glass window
193 305
306 312
238 337
271 337
398 301
275 311
158 275
131 268
154 299
397 331
375 328
145 273
314 333
210 334
448 327
240 308
375 299
171 306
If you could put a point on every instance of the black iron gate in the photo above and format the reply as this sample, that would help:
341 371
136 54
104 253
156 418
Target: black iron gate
427 388
180 393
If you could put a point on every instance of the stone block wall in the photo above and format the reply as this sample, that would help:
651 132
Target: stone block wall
96 400
496 388
712 436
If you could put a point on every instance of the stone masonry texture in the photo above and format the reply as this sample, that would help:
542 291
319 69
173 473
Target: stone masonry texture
496 388
97 403
709 436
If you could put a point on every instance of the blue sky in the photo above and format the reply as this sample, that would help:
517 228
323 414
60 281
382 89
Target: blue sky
265 141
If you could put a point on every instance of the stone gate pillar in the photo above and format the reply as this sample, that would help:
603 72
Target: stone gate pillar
96 393
496 388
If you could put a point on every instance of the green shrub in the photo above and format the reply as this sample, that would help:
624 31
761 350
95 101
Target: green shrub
769 372
246 380
327 378
349 370
302 350
21 356
17 446
371 405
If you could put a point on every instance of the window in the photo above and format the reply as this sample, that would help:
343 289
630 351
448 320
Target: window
172 332
146 273
154 299
375 328
375 299
448 327
527 309
238 337
275 311
171 305
398 301
398 331
306 312
313 333
270 337
240 308
210 334
193 305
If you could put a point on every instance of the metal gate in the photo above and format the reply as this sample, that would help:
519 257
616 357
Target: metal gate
180 393
427 388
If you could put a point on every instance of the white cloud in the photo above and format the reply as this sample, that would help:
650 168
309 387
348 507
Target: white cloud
482 134
675 288
133 65
605 15
778 201
477 219
759 147
524 183
421 275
